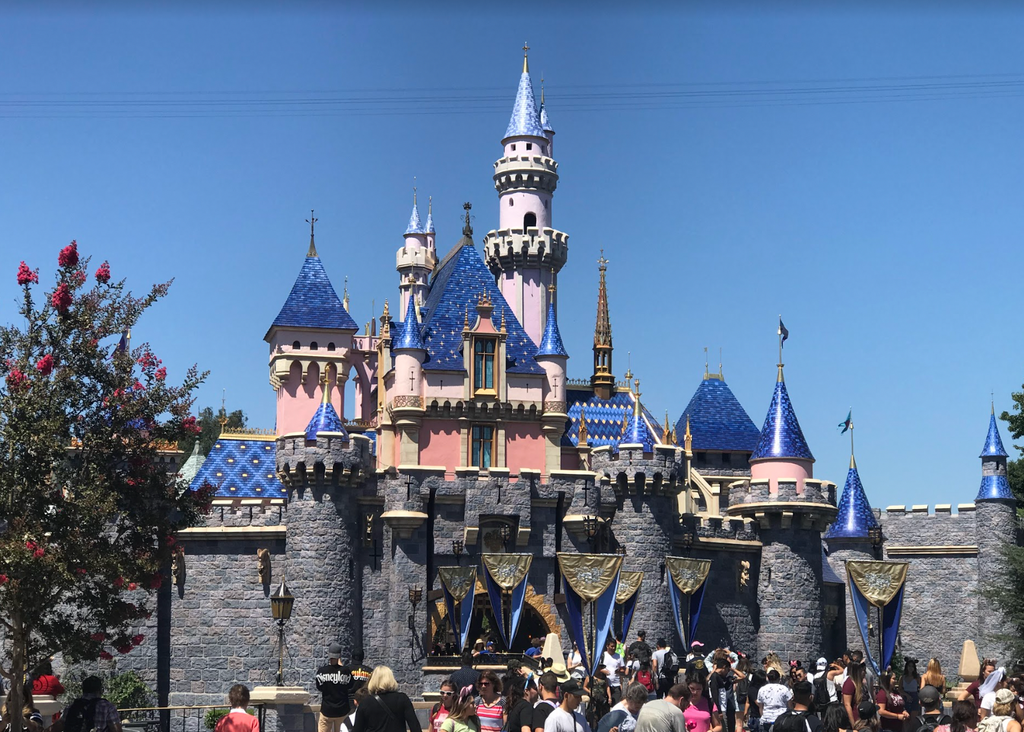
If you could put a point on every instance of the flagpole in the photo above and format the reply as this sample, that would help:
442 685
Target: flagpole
851 433
780 340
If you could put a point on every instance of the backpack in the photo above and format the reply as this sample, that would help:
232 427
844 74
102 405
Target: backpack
792 722
821 695
670 668
644 679
81 716
928 725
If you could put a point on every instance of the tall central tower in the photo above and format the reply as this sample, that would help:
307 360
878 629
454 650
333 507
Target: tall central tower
525 253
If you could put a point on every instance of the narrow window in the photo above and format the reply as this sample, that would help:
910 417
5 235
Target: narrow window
513 147
530 220
296 345
482 446
726 458
313 346
511 202
483 365
330 346
529 146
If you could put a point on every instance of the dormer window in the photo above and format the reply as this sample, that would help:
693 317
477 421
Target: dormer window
484 350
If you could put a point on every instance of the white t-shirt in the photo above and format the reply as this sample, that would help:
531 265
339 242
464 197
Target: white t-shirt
612 663
774 699
562 721
988 701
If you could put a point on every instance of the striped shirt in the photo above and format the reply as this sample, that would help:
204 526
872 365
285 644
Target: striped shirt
491 716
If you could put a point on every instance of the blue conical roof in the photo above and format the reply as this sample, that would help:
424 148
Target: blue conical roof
525 120
325 420
994 487
551 341
545 122
414 227
410 337
313 303
855 515
637 432
429 228
781 436
993 442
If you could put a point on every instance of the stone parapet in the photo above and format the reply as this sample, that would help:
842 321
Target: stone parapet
524 248
631 471
332 460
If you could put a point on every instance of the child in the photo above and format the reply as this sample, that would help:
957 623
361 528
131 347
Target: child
238 720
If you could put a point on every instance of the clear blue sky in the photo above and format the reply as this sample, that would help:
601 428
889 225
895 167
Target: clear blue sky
858 171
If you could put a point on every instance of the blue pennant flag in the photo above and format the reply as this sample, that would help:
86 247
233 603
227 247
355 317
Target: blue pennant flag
783 331
847 424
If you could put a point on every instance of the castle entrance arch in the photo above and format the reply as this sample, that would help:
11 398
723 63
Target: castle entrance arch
538 620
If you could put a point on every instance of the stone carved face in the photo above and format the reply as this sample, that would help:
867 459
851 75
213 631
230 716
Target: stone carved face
744 573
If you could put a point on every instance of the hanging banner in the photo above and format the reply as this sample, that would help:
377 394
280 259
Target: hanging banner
879 585
686 590
626 597
458 585
505 575
591 583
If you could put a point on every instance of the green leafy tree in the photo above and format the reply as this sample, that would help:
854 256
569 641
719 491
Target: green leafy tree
87 517
1015 423
211 425
1006 593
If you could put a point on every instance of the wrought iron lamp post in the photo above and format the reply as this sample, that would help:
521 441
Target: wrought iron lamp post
875 537
590 528
457 547
281 603
506 534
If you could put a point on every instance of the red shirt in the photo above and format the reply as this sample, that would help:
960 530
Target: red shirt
894 704
237 721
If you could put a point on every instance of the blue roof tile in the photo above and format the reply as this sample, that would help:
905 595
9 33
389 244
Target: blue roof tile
414 227
995 488
781 436
325 419
525 120
551 341
638 432
717 420
855 516
607 420
241 468
313 303
410 333
993 442
457 285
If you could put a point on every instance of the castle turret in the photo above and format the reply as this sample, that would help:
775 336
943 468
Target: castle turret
409 353
526 253
602 379
312 332
417 257
552 357
637 432
545 122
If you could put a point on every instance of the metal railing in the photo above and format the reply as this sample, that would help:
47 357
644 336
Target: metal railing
176 718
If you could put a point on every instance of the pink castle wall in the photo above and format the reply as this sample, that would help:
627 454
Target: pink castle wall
524 446
297 402
775 470
440 443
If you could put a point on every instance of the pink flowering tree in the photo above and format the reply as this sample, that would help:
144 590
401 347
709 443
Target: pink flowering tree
88 516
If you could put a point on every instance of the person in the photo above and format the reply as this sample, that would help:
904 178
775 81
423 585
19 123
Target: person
752 711
910 686
993 683
519 699
462 717
722 692
835 719
931 715
645 678
772 698
490 705
622 717
613 667
334 682
386 709
1001 719
639 648
666 666
566 717
892 707
548 688
826 690
238 719
665 715
799 718
964 718
797 673
574 660
440 711
45 682
358 698
867 715
30 715
933 676
854 690
535 647
987 667
600 695
466 675
700 716
360 671
91 705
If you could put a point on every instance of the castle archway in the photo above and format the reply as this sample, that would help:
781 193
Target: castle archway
538 620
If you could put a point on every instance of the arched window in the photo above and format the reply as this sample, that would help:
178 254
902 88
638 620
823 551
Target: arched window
330 346
296 345
511 202
530 220
313 346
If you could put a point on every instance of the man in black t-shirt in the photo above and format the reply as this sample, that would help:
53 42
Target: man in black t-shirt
467 675
360 672
639 648
334 682
799 718
548 686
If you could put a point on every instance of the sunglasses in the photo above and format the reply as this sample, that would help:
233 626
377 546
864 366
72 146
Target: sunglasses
447 693
483 683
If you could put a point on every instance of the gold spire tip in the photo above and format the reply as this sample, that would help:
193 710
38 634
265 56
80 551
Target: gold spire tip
526 58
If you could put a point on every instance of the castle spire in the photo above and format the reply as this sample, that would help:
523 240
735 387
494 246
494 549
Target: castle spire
602 379
429 229
637 432
325 419
781 436
525 120
551 342
312 246
415 226
994 483
855 517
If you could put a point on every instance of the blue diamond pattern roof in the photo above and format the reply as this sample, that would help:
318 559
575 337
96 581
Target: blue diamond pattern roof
410 334
313 303
855 516
717 420
525 120
606 419
994 487
551 341
325 419
993 442
241 468
414 227
457 285
545 122
781 436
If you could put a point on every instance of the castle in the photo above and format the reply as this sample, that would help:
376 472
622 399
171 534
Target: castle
468 436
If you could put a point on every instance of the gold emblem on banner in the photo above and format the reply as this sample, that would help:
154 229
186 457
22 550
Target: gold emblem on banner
508 570
688 574
629 585
877 581
458 580
589 575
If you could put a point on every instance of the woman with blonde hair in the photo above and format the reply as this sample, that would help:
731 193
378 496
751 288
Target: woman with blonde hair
386 709
462 717
1001 719
934 677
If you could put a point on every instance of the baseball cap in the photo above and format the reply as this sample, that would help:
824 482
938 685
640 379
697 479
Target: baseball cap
822 664
1004 696
928 695
334 650
572 686
867 710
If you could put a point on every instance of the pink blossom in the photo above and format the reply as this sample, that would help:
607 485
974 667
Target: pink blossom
132 586
191 425
3 579
68 256
161 373
81 572
137 639
106 656
16 380
30 545
126 648
103 273
137 386
27 276
38 553
45 365
62 298
79 277
119 582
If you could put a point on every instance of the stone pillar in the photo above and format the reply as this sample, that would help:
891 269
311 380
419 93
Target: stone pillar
997 526
789 592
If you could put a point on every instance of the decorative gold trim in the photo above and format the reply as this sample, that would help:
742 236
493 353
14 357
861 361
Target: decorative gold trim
248 433
227 533
930 550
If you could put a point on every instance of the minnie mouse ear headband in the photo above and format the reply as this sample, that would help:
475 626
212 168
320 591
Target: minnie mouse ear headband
466 693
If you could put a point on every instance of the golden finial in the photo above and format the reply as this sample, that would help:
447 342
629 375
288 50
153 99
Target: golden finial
542 88
503 320
666 435
721 373
223 409
526 60
385 321
707 374
583 428
465 323
414 191
344 299
312 247
602 263
688 437
325 384
484 300
636 402
551 286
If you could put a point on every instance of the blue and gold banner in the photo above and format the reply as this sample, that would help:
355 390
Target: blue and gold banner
458 584
591 583
626 597
686 590
880 585
505 575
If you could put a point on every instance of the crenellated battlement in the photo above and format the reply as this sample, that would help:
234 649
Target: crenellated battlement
631 471
525 172
409 257
333 460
